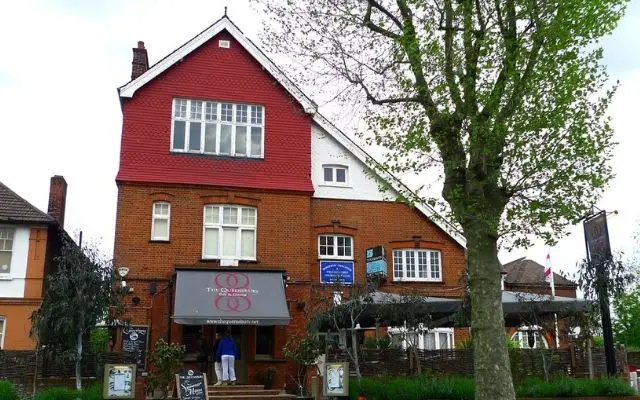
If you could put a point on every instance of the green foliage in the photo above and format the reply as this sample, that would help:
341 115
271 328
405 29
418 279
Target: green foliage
510 342
450 387
303 351
598 341
79 294
383 342
165 361
7 391
571 387
627 314
99 339
413 388
92 393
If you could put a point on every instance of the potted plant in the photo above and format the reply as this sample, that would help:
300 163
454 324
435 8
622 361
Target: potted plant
165 361
265 377
303 351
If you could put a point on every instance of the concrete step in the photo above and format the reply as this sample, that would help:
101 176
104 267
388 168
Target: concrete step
243 392
235 387
251 397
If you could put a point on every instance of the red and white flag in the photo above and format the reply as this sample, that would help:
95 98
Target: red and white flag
548 274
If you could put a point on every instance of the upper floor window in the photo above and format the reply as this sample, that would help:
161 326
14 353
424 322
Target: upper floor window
229 232
335 175
417 265
217 128
335 246
2 329
530 337
160 221
6 248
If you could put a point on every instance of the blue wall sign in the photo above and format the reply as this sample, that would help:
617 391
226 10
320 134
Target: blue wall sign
341 272
378 266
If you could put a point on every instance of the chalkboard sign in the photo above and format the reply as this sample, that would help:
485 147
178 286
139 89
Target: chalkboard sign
134 340
192 385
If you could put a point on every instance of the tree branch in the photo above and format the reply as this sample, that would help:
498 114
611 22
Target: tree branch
386 12
378 29
448 58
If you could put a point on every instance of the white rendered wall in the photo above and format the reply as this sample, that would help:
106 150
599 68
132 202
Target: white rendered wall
326 150
14 286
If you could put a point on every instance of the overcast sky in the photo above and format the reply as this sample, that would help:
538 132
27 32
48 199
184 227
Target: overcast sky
62 61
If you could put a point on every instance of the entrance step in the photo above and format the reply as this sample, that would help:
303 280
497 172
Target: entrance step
245 392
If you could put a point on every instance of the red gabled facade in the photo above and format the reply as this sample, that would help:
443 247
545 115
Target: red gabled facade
212 73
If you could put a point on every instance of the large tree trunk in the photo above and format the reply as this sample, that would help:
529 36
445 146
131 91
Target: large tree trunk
491 358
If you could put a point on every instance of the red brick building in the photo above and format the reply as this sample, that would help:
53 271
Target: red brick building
228 177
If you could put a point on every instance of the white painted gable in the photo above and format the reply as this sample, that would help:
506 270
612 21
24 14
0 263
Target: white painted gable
325 150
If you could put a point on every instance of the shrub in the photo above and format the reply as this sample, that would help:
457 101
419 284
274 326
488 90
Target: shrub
571 387
92 393
7 391
413 388
459 388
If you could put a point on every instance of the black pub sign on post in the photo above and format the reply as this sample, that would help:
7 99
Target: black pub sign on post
596 235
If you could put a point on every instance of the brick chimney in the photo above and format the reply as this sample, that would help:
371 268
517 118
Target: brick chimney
57 198
140 63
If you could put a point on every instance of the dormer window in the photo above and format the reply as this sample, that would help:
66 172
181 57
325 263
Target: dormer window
335 175
226 129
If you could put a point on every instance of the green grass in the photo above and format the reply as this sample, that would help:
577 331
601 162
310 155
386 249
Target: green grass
7 391
458 388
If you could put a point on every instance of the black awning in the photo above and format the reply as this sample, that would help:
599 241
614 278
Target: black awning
230 297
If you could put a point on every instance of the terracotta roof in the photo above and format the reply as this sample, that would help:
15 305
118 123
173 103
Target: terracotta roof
528 272
14 208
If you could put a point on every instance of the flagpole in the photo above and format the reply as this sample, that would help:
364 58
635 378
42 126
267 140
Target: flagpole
549 272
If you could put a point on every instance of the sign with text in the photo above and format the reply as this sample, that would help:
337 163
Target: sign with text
596 235
119 381
337 272
376 261
192 385
134 340
336 379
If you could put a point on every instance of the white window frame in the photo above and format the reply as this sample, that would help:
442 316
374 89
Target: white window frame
521 336
154 217
335 255
3 330
421 336
416 260
218 122
333 181
7 275
220 225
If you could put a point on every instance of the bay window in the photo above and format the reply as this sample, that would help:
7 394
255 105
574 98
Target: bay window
229 232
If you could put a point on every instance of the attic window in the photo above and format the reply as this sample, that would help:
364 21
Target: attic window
335 175
225 44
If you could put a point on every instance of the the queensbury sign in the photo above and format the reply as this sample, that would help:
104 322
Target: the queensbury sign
337 272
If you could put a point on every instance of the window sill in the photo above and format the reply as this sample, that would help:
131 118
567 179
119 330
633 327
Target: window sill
415 281
217 260
335 186
336 259
161 241
216 156
5 277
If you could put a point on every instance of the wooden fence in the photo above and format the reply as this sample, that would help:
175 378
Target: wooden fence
24 364
524 362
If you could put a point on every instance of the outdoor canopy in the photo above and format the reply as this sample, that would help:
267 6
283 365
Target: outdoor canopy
230 297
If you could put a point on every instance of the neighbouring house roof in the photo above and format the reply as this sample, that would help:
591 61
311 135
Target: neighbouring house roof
15 209
225 24
528 272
